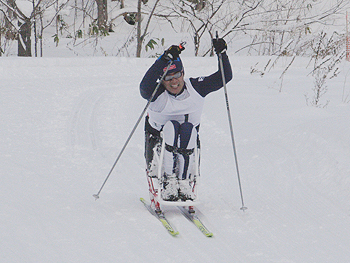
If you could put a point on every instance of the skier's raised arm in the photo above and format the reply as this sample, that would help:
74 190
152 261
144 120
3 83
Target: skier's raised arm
205 85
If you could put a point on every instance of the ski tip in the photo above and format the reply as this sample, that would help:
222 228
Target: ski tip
175 233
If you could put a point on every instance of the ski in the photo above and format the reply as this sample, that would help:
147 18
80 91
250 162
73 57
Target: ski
191 216
160 215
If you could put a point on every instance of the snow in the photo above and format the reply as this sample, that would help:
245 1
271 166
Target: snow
25 6
64 120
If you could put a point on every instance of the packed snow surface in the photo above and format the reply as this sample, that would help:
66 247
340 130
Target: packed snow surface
64 121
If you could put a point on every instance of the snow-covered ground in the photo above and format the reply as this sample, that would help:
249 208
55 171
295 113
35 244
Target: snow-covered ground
64 120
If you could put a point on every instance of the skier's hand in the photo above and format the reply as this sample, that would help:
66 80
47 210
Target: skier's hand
173 52
219 45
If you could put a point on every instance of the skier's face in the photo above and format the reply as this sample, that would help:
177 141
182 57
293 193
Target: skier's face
174 83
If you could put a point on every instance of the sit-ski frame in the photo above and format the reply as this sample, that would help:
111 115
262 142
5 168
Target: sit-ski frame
196 176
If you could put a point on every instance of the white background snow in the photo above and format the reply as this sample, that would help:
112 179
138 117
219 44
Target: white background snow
64 120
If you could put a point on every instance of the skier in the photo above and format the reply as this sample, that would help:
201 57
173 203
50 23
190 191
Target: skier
174 116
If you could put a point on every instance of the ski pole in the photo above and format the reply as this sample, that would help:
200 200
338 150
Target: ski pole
97 196
231 125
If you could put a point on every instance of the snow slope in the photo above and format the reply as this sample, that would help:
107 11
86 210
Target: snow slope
64 120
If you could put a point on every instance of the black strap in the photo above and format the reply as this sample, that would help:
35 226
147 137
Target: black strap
186 117
176 150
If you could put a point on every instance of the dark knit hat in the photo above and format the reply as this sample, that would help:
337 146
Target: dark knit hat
176 66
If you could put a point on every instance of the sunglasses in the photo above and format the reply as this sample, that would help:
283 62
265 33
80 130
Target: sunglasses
176 76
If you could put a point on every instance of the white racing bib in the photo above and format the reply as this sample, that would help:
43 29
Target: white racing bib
186 107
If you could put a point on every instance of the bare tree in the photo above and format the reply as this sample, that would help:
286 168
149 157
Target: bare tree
279 22
102 15
328 52
275 27
204 18
8 31
141 36
199 16
23 26
23 23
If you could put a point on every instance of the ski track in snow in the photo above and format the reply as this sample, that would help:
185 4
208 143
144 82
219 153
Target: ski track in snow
85 114
62 131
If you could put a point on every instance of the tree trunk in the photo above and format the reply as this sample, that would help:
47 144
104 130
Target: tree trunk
102 15
24 40
34 29
139 40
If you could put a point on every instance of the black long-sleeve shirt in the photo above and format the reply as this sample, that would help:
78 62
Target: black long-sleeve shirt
203 85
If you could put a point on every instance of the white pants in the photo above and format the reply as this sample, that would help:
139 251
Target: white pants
180 141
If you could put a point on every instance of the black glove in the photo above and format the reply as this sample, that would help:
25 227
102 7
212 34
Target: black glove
173 52
220 45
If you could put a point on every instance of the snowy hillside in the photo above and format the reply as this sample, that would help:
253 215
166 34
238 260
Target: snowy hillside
64 120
